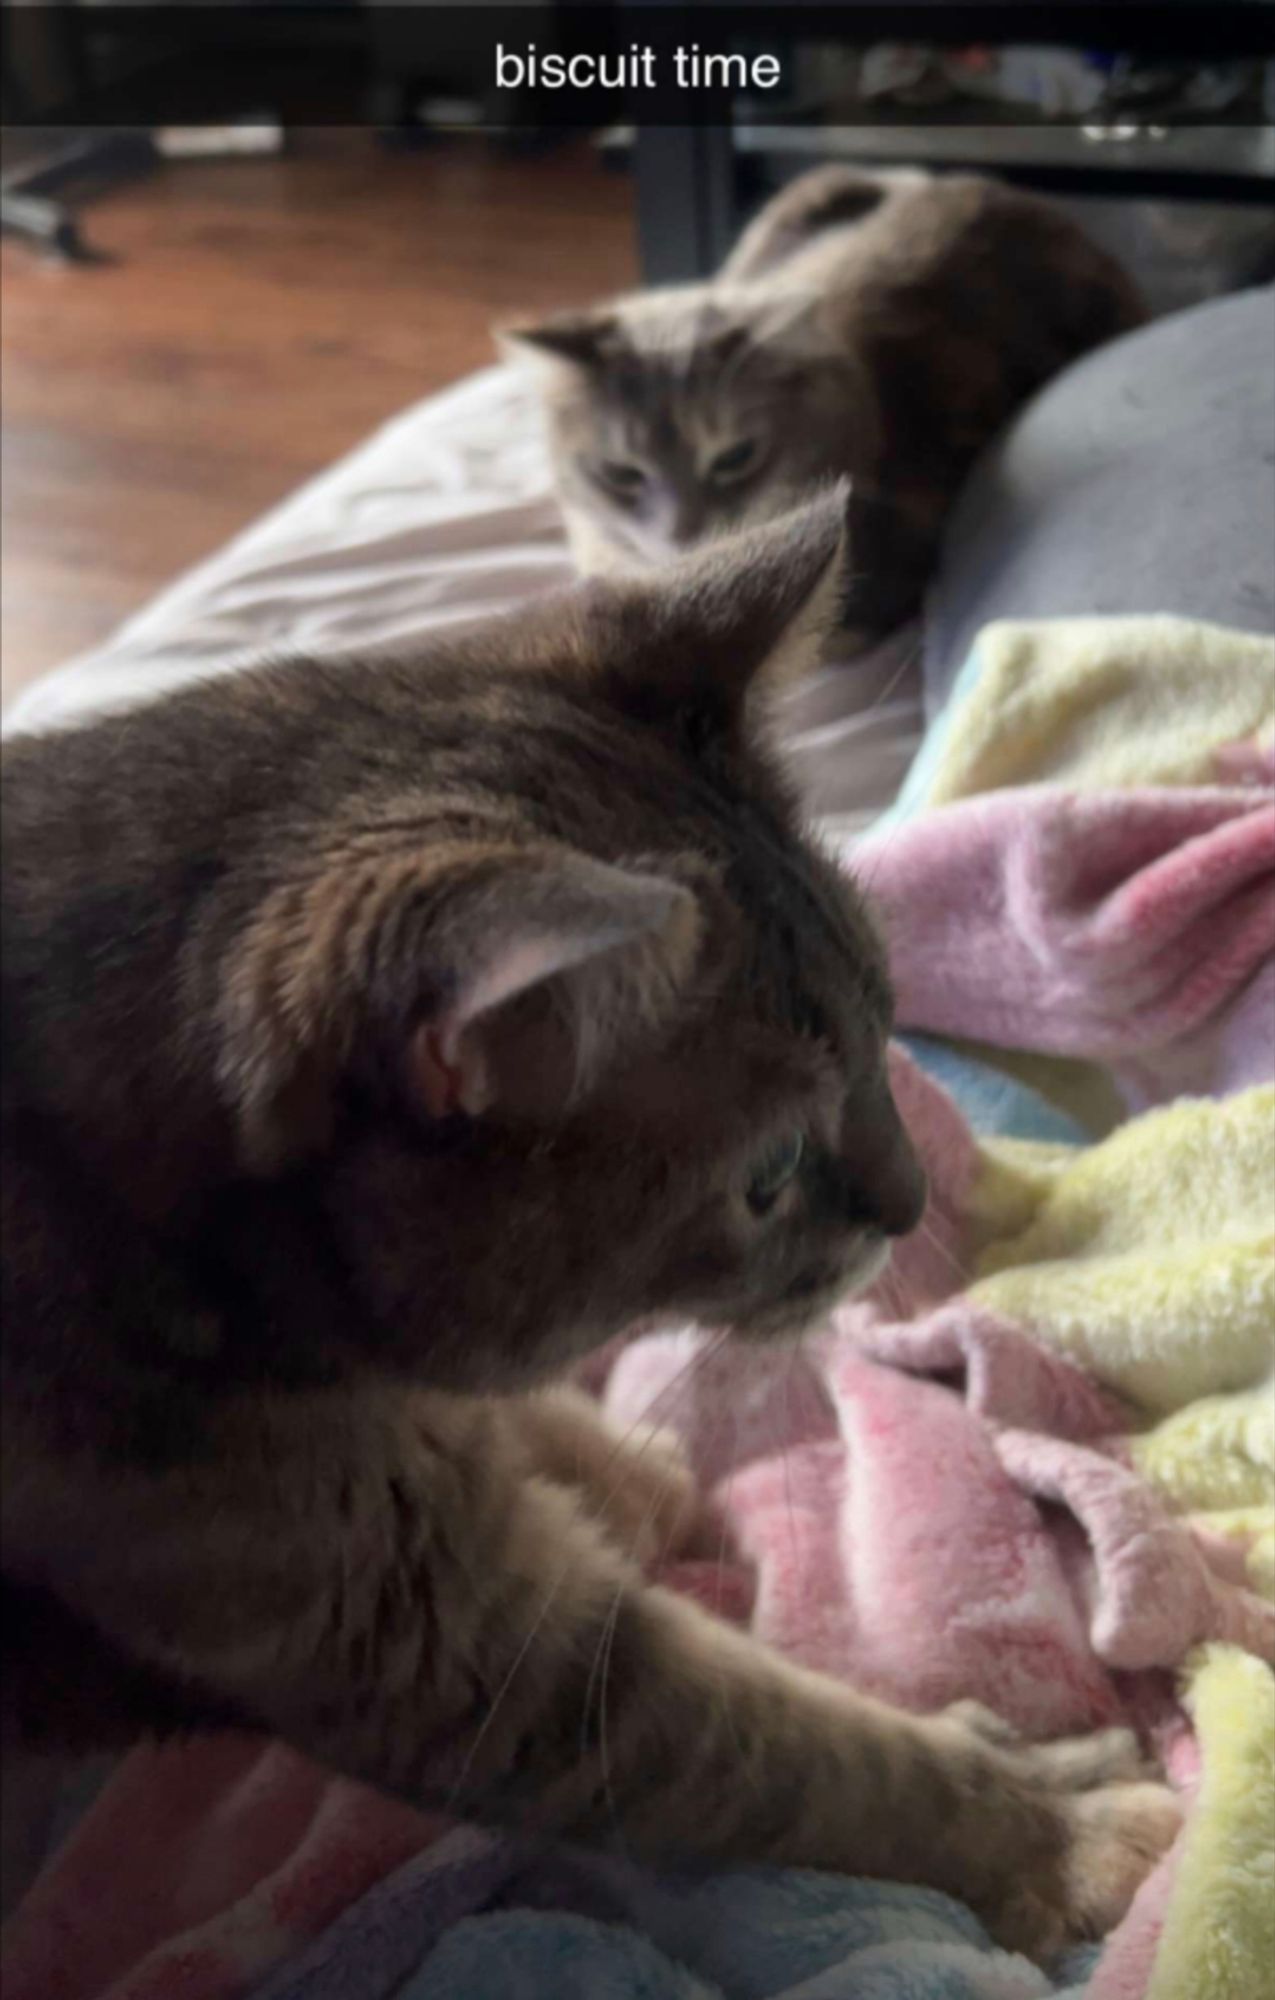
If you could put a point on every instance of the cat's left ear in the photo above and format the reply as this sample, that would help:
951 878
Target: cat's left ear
582 339
778 324
794 325
742 616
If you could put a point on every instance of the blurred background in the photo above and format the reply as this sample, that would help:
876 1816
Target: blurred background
207 305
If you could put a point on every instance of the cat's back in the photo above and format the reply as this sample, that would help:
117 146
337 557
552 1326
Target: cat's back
903 255
965 242
961 297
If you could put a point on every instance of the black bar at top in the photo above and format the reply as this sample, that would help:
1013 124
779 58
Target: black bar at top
310 63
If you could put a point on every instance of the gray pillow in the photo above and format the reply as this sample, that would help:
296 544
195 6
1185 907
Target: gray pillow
1141 479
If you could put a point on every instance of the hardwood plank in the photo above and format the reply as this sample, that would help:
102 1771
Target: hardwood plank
260 318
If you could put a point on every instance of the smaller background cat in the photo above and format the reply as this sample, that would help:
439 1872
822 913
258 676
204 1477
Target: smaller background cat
881 326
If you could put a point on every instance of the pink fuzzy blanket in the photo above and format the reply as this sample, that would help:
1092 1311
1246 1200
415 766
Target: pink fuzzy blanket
1133 928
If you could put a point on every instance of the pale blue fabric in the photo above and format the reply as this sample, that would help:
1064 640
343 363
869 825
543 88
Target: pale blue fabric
996 1105
742 1935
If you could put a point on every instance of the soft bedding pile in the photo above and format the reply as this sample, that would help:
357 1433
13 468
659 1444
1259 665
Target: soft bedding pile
1035 1466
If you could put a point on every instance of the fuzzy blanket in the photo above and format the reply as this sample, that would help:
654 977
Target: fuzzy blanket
1036 1465
1098 704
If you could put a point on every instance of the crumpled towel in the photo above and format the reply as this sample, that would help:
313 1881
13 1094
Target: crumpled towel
1134 928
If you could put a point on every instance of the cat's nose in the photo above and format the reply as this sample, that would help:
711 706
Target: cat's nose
886 1181
899 1191
687 524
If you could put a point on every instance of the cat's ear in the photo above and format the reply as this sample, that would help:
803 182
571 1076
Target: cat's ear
794 324
582 339
475 978
556 966
780 324
743 615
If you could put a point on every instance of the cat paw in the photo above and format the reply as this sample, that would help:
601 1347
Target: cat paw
1118 1833
1108 1841
1091 1826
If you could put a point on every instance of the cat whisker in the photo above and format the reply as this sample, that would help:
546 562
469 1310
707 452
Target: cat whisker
679 1381
890 1285
485 1726
608 1644
850 862
796 1350
683 1375
909 657
925 1228
721 1567
602 1661
853 862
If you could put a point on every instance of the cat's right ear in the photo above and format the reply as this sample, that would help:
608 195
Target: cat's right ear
481 977
738 618
581 339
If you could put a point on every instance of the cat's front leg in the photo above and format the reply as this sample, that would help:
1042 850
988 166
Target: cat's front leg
387 1586
635 1482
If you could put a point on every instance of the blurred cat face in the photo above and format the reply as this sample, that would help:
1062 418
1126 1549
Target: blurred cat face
674 419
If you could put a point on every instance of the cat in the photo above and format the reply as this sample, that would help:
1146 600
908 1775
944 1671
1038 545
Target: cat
879 326
379 1040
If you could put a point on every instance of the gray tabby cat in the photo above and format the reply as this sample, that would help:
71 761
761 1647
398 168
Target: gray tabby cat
380 1038
880 326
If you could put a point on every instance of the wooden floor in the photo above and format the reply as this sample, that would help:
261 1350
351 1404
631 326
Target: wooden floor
258 319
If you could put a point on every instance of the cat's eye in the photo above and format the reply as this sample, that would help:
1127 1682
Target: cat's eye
736 462
777 1166
622 476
